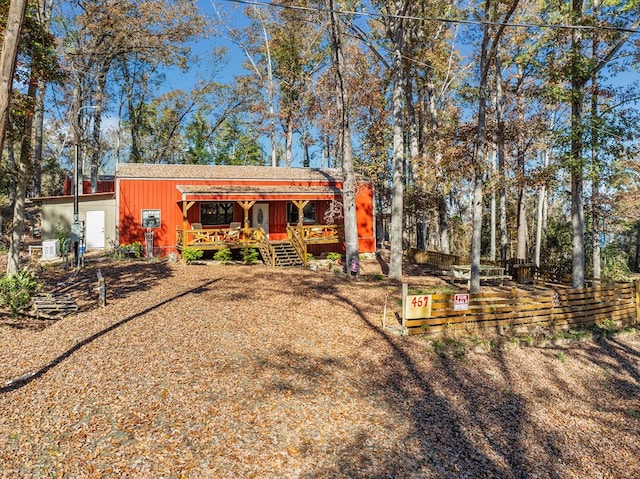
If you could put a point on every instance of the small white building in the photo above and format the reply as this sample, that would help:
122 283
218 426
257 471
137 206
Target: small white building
96 211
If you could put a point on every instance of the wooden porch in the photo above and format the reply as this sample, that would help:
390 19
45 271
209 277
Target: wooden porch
299 237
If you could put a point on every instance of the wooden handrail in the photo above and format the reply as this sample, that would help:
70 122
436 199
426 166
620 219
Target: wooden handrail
295 238
325 232
260 235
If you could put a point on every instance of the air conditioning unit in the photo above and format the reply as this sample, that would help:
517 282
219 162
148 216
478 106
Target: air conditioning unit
50 249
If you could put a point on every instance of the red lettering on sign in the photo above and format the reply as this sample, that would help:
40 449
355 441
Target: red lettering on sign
420 301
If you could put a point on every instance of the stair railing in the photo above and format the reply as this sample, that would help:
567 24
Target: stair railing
295 238
266 248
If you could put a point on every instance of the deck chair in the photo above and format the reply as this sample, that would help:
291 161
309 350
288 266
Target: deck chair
234 231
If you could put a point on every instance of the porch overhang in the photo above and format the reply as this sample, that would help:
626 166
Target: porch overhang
190 193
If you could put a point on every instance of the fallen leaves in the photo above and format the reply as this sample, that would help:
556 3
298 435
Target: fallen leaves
226 372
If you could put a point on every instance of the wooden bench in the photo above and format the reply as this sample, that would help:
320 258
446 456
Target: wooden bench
487 273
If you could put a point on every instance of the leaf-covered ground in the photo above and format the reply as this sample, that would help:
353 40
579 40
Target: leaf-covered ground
240 372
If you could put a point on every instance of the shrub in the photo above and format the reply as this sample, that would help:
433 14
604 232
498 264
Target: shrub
189 255
223 255
615 264
61 235
334 258
16 291
249 255
127 250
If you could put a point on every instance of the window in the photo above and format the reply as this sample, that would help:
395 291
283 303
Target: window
216 213
309 213
150 218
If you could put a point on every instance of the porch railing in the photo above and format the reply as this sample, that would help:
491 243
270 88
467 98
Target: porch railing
218 238
265 246
320 233
294 234
215 238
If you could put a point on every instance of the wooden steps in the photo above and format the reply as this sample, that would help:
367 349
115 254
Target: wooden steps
286 255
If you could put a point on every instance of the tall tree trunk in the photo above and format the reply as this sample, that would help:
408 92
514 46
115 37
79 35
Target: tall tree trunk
487 55
12 177
44 11
96 154
443 223
396 33
349 186
502 192
636 266
441 200
595 169
542 205
8 55
419 184
576 167
23 177
492 252
397 196
38 125
522 216
288 141
271 95
521 174
476 232
135 113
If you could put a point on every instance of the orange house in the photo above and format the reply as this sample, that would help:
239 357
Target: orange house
213 207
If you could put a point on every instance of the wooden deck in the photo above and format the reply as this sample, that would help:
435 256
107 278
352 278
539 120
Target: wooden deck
299 237
217 238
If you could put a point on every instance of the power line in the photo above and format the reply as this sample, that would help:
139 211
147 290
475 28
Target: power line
459 21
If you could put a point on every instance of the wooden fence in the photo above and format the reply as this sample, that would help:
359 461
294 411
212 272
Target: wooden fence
559 309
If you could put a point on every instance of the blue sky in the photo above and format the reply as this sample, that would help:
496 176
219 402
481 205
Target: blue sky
234 14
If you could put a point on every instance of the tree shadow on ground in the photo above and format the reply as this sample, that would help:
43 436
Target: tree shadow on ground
122 278
441 401
620 375
26 379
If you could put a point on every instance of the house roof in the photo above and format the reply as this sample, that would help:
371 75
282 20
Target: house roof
222 172
201 192
308 190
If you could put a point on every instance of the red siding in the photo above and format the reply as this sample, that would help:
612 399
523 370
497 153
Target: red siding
364 217
136 195
104 186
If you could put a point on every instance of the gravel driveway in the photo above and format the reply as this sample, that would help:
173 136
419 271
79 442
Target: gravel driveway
250 372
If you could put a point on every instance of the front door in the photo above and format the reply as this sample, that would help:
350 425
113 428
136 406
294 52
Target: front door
95 230
261 216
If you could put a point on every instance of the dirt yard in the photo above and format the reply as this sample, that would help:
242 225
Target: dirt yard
218 371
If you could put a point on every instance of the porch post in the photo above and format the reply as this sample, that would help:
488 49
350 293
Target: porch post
300 205
185 208
246 205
